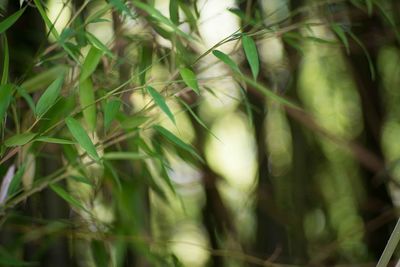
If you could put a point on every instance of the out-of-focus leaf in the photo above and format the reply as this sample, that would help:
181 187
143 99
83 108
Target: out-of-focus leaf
100 253
49 97
43 79
98 44
161 18
133 121
226 59
121 155
19 139
160 102
110 111
82 179
174 11
146 58
82 137
16 181
48 139
87 101
6 91
190 79
9 21
367 55
4 77
120 6
250 49
177 141
90 64
342 36
6 259
5 184
66 196
22 92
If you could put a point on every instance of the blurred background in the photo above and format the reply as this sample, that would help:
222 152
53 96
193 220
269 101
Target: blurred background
315 184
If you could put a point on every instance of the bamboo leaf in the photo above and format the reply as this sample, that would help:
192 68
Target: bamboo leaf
122 8
82 138
66 196
49 97
87 101
174 11
43 79
91 61
134 121
160 102
250 49
124 156
174 139
111 109
98 44
342 36
9 21
4 77
190 79
19 139
226 59
48 139
16 181
6 91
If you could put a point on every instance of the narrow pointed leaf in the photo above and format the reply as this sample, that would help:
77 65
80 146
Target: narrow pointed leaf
19 139
174 11
16 181
111 109
342 36
9 21
226 59
82 137
174 139
91 61
190 79
250 49
133 121
49 97
98 44
47 139
124 156
6 91
160 102
4 77
87 101
66 196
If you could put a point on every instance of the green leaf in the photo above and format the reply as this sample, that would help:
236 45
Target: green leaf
174 11
174 139
100 254
133 121
9 21
66 196
250 49
91 61
159 100
19 139
22 92
342 36
226 59
6 91
124 156
48 139
82 138
49 97
82 179
122 8
43 79
367 55
146 58
111 109
190 79
4 77
87 101
157 15
98 44
16 181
